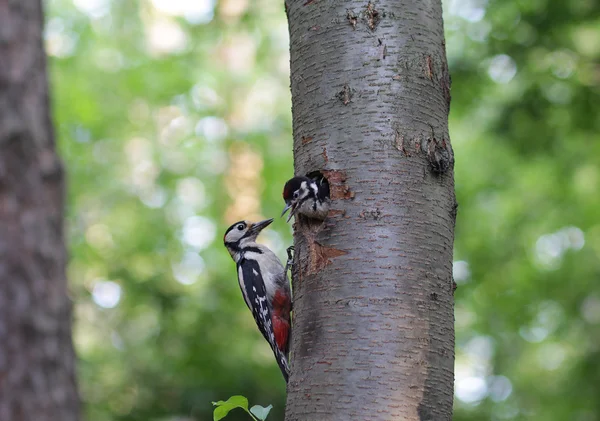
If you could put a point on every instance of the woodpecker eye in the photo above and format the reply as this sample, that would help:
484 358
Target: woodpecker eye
240 227
296 194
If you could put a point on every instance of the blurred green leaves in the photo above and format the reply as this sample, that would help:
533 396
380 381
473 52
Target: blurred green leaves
521 129
154 103
174 120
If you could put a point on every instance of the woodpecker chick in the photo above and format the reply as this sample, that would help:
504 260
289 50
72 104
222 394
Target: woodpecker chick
264 284
306 196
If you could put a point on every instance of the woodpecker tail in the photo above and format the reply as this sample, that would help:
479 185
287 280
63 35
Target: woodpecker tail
280 318
282 362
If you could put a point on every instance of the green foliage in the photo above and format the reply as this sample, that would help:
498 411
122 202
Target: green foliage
257 412
161 113
261 412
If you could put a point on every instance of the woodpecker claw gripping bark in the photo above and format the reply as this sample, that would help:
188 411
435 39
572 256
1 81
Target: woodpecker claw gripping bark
290 261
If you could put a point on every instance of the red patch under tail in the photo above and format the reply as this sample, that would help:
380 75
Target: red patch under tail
281 321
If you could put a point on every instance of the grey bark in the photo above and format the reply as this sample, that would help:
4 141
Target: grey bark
37 374
373 334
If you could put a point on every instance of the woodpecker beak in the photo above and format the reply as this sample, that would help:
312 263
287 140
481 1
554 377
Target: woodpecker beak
287 207
259 226
292 212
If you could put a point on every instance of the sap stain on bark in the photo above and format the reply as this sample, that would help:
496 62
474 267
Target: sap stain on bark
320 256
335 212
306 139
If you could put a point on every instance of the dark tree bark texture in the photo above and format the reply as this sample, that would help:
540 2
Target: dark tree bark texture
37 374
373 307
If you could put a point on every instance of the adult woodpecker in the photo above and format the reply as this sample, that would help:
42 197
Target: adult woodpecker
264 285
307 196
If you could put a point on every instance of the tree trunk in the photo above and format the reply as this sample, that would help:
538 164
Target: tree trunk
37 374
373 334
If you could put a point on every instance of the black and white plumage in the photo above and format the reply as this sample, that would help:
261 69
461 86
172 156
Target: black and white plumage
306 196
263 281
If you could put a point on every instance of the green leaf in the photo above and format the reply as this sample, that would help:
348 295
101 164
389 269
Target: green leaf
261 412
238 401
223 407
221 412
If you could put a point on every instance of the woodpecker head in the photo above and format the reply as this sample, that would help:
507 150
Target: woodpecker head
295 192
243 233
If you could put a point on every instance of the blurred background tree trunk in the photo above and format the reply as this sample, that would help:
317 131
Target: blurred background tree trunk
374 325
37 367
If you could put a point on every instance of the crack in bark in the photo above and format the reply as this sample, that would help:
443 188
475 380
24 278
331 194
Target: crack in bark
428 68
382 49
399 143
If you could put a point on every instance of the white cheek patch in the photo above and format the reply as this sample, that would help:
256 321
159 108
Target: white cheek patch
304 190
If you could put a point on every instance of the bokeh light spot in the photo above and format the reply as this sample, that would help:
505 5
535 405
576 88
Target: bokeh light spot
502 69
199 232
106 294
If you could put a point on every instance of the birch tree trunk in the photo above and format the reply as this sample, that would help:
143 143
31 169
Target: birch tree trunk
373 331
37 378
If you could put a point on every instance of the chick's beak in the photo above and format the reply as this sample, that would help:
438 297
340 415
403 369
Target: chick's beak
287 207
292 212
